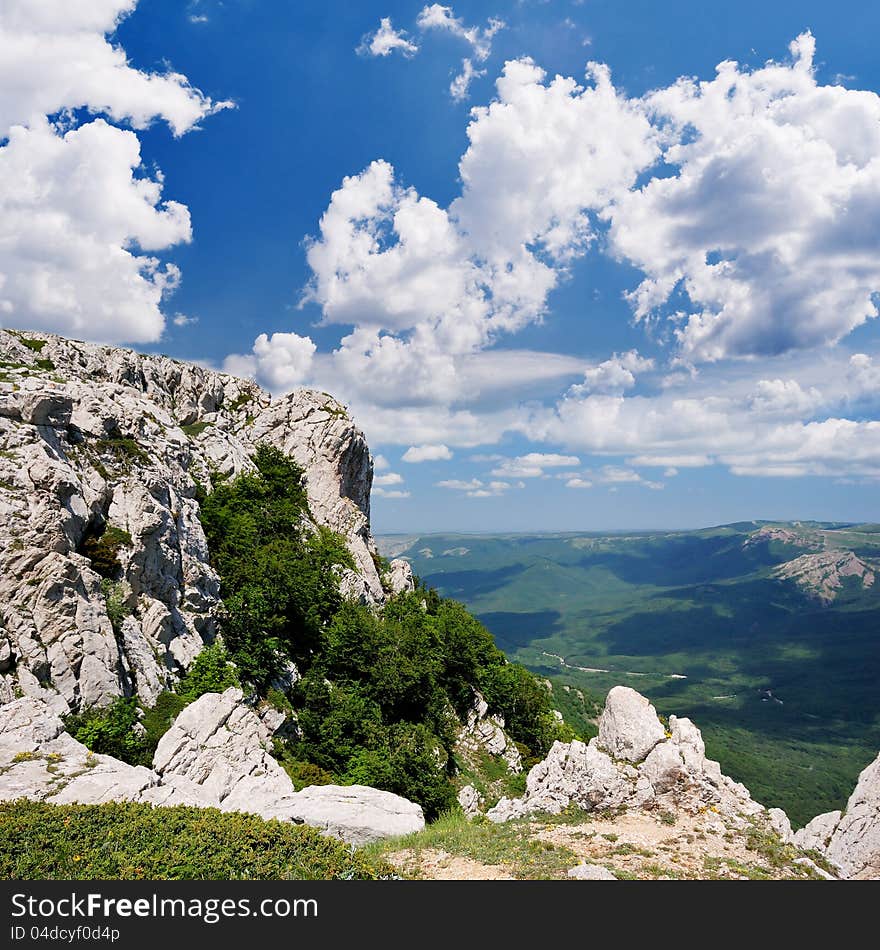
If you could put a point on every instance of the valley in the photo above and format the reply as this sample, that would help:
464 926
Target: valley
767 634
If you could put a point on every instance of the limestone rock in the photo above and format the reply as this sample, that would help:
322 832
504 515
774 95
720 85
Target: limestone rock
355 813
816 834
629 727
470 800
400 578
484 732
590 872
113 438
855 842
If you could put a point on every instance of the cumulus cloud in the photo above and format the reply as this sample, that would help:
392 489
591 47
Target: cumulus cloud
615 374
389 478
578 483
532 464
73 216
426 453
386 40
460 86
81 222
55 55
475 488
770 224
283 360
391 493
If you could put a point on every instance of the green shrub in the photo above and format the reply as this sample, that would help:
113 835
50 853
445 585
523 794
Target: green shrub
116 596
110 731
524 703
32 344
133 841
158 718
211 672
102 545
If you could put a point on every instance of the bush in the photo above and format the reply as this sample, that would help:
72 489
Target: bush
211 672
524 703
116 601
110 731
102 545
133 841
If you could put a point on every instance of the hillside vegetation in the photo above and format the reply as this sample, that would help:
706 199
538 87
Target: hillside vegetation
783 682
131 841
378 696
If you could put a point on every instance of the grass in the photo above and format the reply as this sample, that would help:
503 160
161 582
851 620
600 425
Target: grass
508 844
194 429
132 841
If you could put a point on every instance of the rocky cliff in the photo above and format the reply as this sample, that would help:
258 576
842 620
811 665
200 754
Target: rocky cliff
104 443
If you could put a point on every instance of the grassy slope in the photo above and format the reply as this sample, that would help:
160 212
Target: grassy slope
127 841
699 605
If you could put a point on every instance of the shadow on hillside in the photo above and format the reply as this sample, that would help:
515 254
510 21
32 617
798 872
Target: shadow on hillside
466 585
515 630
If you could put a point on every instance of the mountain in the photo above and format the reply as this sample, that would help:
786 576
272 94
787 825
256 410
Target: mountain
766 633
195 618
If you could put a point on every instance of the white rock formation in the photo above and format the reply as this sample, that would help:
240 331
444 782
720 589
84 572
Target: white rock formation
216 754
92 436
483 732
821 575
674 771
470 800
400 578
629 727
851 841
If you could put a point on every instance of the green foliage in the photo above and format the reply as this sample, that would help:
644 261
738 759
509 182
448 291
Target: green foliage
35 345
102 545
133 841
277 577
210 672
46 365
110 731
525 704
379 691
194 429
124 449
116 599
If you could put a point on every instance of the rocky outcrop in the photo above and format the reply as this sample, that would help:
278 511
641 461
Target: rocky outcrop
483 732
99 441
633 763
216 754
850 840
629 727
399 579
821 576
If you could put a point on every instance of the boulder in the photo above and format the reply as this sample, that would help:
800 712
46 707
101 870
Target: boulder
355 813
629 727
590 872
469 799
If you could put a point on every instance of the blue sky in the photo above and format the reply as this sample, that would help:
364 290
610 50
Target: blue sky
621 302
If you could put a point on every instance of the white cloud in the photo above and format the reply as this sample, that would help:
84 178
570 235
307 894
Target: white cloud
390 493
386 40
784 396
54 55
426 453
460 86
283 361
532 464
389 478
578 483
183 320
615 374
380 463
74 222
198 18
771 224
475 488
438 17
81 221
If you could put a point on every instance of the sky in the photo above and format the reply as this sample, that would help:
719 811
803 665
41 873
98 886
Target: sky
573 265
